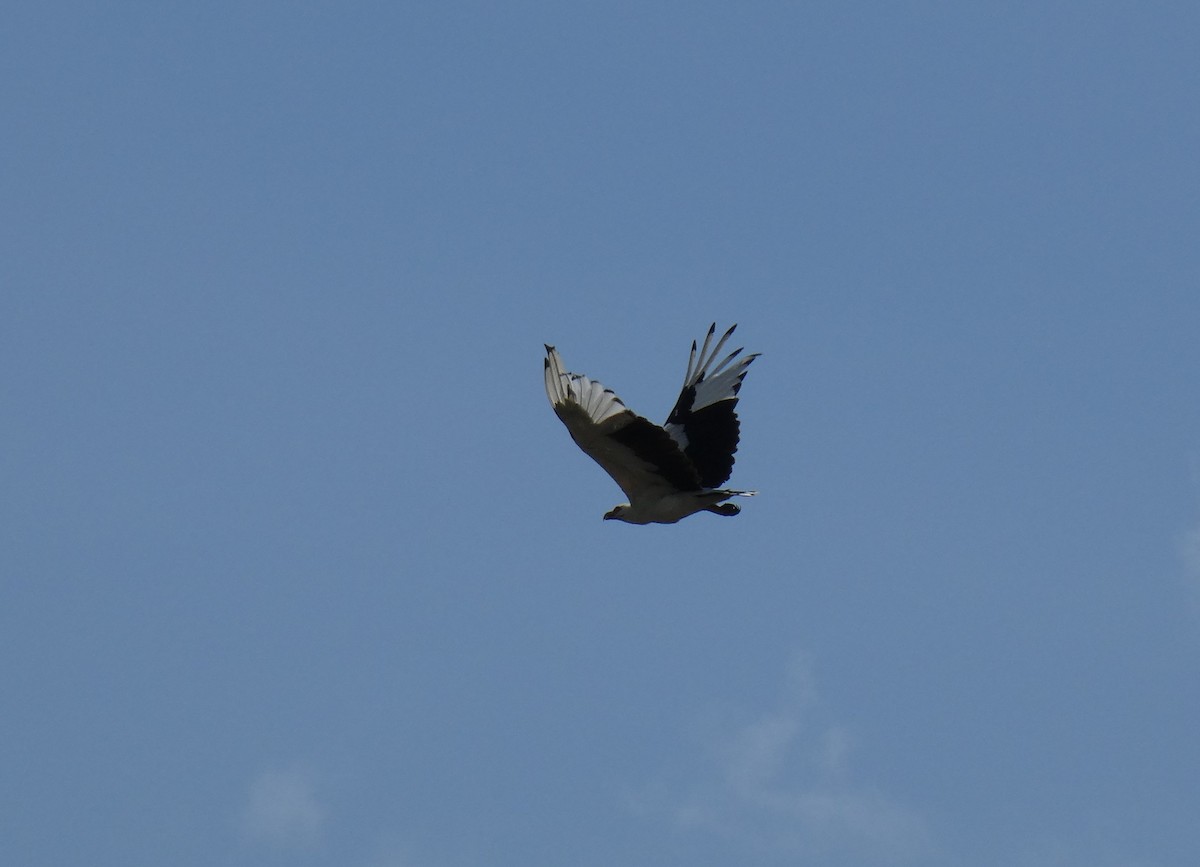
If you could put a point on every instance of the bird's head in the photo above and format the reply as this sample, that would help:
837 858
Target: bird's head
617 513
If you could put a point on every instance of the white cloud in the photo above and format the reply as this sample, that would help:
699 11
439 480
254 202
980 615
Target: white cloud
781 782
281 810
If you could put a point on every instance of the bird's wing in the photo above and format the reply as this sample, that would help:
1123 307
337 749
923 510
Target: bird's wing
641 457
704 422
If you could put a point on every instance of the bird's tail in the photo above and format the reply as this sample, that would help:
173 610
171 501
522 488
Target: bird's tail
718 506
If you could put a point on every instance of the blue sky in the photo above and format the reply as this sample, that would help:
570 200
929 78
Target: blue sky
298 567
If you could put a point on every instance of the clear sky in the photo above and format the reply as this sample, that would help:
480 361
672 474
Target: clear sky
298 566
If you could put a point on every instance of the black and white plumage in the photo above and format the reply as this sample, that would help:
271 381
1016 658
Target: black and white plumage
668 472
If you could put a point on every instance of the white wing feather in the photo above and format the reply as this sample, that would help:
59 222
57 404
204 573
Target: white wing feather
639 455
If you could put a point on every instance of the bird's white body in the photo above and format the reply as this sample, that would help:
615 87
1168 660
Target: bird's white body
669 471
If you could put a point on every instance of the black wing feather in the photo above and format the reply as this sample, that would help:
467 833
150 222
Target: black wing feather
654 445
712 435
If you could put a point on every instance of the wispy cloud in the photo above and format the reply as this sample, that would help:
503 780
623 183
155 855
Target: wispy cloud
781 782
281 810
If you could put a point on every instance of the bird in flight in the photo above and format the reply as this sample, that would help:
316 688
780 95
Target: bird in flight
667 472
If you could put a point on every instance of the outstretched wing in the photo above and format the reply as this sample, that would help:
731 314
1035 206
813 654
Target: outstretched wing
642 457
704 422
